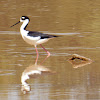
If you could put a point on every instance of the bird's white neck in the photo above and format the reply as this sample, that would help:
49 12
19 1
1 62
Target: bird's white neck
24 25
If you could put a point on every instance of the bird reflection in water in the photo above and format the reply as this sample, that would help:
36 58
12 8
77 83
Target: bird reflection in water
79 61
32 72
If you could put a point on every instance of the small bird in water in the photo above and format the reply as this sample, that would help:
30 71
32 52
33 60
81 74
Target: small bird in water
33 37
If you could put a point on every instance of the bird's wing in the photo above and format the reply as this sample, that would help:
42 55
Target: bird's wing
39 34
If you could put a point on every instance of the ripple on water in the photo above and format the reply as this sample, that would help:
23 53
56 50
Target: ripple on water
7 72
76 48
7 50
12 45
61 54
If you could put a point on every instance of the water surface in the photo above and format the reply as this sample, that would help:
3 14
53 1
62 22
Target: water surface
77 25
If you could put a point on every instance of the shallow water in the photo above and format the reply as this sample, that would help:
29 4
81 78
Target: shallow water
77 25
67 83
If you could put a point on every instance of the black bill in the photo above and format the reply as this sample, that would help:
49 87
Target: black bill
15 24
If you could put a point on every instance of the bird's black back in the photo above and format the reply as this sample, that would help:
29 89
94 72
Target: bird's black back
42 36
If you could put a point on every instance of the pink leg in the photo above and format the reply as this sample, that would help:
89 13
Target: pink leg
47 53
37 55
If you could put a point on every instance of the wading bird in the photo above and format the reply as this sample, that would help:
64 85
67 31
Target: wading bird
33 37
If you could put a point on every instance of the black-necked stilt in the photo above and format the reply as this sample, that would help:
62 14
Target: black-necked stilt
33 37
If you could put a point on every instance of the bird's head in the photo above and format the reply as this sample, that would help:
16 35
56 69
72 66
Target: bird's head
22 19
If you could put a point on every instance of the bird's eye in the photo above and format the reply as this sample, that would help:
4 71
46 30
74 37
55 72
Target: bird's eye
23 18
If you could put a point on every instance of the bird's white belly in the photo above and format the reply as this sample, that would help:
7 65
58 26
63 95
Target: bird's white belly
42 41
34 40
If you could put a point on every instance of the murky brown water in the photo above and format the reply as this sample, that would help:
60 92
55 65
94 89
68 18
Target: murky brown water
78 23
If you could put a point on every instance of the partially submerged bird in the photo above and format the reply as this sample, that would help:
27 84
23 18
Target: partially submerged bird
33 37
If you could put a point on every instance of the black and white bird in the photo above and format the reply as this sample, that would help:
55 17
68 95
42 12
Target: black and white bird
33 37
